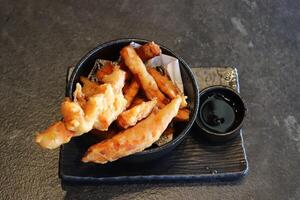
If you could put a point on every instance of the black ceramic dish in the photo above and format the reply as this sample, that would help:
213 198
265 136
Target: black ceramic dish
111 51
226 124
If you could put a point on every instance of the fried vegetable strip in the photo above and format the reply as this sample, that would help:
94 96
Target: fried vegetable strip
54 136
148 51
131 91
183 115
134 139
137 67
166 85
132 116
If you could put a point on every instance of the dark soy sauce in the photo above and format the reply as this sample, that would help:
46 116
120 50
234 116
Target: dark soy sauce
218 114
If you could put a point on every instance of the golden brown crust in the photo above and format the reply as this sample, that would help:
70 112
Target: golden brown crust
148 51
91 88
81 120
133 115
79 96
97 106
118 102
166 85
77 120
105 70
133 139
54 136
137 67
131 91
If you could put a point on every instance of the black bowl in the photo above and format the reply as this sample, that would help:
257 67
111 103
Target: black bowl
238 108
111 51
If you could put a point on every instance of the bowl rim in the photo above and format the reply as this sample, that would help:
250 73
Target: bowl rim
202 92
193 116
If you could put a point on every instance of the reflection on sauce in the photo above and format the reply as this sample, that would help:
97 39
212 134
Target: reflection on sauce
218 113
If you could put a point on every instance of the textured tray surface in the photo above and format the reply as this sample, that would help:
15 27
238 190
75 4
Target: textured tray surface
194 159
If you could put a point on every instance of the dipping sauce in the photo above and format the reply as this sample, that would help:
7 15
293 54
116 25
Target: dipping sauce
221 113
218 113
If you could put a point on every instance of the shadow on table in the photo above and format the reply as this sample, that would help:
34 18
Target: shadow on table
110 191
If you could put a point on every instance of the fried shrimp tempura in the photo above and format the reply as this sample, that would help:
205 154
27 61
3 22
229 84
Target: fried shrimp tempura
54 136
133 115
166 85
148 51
131 91
134 139
137 67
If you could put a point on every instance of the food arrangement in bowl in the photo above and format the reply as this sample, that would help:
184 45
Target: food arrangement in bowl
127 100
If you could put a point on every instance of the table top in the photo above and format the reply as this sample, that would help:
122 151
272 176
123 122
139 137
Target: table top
40 39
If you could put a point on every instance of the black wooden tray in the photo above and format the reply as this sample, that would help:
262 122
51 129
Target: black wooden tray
194 159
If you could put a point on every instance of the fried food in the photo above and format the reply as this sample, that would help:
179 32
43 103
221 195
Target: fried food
166 85
54 136
131 91
108 68
118 105
132 116
79 96
183 115
137 67
111 113
96 106
148 51
134 139
105 70
166 137
90 88
116 79
81 120
123 67
77 120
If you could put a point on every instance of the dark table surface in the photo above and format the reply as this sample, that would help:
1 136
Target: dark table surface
40 39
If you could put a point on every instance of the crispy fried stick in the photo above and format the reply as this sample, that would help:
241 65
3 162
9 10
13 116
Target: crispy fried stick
134 139
137 67
133 115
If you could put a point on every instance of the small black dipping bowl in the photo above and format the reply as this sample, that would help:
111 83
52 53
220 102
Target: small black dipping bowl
111 51
221 113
